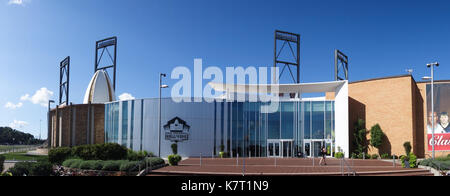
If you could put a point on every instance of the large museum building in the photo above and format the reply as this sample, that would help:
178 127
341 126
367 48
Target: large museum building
298 127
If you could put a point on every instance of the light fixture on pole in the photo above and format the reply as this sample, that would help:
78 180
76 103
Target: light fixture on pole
431 65
161 86
48 124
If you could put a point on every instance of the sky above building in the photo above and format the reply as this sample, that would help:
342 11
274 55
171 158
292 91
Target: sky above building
381 38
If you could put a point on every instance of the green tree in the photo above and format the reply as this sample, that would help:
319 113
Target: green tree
360 135
376 136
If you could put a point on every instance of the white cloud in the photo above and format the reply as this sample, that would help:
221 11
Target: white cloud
40 97
13 106
15 2
126 96
17 124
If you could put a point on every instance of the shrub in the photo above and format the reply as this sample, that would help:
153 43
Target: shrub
2 160
174 159
385 156
339 155
59 155
354 155
21 169
129 166
41 168
71 162
111 151
155 161
174 147
91 165
374 156
111 166
407 146
411 158
85 152
136 156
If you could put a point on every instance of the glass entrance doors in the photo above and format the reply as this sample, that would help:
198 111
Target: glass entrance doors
280 148
313 148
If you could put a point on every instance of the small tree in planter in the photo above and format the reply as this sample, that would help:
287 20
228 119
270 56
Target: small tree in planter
174 158
174 148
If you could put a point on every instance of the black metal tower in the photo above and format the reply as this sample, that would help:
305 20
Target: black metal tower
64 84
340 64
289 39
103 45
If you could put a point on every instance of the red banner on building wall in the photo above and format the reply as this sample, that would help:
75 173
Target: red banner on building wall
442 142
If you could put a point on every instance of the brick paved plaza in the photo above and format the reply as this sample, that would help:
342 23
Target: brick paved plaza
285 166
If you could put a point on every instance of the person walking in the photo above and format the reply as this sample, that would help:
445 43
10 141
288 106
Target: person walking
323 151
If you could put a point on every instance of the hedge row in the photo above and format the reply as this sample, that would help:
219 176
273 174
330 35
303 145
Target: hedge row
41 168
111 165
108 151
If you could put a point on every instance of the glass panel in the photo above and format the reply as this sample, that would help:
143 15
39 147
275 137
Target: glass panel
328 119
270 149
318 120
307 121
317 146
287 119
274 125
277 149
124 122
308 149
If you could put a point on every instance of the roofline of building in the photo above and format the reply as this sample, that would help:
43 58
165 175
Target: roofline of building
382 78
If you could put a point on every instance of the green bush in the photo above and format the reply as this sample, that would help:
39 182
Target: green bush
59 155
386 156
174 159
91 165
111 165
70 163
412 159
156 161
21 169
41 168
136 156
129 166
374 156
112 151
339 155
85 152
2 160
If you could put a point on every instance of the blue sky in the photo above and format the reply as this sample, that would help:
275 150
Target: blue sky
381 38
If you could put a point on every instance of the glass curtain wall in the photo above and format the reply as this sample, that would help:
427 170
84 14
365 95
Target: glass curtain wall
297 127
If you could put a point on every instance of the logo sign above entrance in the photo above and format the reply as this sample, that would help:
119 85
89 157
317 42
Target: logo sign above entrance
177 130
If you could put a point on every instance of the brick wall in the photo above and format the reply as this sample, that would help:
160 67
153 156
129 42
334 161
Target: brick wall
76 125
388 102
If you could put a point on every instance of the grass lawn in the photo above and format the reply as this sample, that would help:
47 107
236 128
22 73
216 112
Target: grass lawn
22 156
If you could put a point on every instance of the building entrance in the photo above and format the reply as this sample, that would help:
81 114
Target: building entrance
313 148
280 148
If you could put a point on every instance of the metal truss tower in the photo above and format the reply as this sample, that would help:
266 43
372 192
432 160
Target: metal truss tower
103 45
287 39
64 81
340 65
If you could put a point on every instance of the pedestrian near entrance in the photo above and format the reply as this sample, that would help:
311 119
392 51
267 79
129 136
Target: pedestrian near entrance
323 152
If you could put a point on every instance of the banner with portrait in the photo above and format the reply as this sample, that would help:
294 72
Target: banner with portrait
441 117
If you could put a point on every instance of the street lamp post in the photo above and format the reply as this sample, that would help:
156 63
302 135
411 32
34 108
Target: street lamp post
161 86
48 123
431 65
